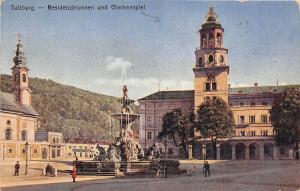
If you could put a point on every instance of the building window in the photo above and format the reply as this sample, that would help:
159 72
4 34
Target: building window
242 119
24 77
201 62
210 58
148 119
264 103
252 133
207 86
170 151
170 136
8 122
24 136
53 140
242 133
10 151
242 104
264 133
214 86
264 119
8 133
203 41
149 135
58 152
35 151
252 103
252 118
16 77
219 40
211 39
70 154
23 151
221 59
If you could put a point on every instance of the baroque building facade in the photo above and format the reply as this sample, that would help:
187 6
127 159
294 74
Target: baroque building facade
253 136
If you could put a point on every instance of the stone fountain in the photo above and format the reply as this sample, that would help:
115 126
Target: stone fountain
125 155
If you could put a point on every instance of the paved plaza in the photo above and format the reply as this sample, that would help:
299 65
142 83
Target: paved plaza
275 175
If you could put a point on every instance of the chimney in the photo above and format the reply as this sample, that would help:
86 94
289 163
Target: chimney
255 84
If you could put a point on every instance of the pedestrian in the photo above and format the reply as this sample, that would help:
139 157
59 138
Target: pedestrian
207 170
48 169
17 168
74 172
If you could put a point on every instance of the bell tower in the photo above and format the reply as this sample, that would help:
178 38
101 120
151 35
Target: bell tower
20 80
211 69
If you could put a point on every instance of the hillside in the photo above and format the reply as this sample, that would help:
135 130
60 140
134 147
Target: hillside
77 113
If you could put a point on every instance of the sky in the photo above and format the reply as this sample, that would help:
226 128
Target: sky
88 49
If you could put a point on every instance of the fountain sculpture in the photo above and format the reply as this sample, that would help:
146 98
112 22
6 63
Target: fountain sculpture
125 153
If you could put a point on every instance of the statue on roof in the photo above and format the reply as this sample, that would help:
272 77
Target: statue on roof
211 15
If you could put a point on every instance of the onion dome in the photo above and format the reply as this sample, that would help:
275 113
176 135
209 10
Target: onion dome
20 58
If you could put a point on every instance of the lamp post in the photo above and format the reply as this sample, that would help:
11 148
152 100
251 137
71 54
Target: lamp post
26 155
165 168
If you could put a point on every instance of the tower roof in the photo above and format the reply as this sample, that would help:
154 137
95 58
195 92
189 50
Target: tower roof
211 16
211 20
19 59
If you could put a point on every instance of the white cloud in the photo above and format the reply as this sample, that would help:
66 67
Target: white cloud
116 63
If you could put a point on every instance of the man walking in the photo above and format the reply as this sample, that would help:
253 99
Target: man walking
17 169
206 169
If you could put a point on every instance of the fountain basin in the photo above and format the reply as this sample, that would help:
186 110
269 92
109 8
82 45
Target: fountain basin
125 117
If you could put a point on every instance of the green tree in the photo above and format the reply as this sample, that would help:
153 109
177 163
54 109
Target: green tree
285 117
214 120
178 125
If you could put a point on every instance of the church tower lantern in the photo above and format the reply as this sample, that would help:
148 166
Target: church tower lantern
20 80
211 69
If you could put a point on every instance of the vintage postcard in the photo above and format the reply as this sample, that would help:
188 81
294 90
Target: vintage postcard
149 95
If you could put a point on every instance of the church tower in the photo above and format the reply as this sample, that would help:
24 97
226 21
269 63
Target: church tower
20 80
211 69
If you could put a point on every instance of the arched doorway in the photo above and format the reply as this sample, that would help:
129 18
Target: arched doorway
44 153
268 150
254 151
225 151
197 151
240 151
210 151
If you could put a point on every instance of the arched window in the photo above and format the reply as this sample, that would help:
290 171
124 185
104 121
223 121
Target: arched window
201 64
8 122
210 58
8 133
203 38
16 77
24 135
211 39
219 39
24 77
211 84
221 59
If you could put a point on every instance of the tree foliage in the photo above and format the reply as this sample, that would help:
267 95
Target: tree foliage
178 125
285 117
78 114
214 120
